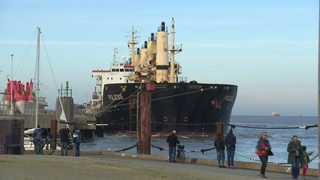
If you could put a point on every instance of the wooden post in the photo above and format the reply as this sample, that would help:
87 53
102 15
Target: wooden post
145 117
53 132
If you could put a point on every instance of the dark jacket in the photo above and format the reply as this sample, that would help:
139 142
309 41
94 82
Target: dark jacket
295 150
172 139
38 134
230 141
219 143
64 135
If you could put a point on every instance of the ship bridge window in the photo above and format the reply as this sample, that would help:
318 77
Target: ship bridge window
121 70
127 70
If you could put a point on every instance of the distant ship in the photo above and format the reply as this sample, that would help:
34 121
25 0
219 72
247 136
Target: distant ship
275 114
190 108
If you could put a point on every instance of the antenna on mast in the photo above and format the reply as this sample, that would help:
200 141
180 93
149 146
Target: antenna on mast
173 51
131 44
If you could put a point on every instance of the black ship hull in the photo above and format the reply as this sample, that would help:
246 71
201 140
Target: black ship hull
189 108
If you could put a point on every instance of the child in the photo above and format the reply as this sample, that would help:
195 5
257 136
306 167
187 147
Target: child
305 161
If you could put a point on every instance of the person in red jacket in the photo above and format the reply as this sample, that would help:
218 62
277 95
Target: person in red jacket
263 150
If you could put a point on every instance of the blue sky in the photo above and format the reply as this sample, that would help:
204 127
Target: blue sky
267 47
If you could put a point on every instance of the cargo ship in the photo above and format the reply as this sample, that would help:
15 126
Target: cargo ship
190 108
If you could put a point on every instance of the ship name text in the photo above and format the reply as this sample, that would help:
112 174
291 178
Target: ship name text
115 97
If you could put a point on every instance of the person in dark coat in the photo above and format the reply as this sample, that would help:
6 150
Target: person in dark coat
172 140
295 156
230 142
263 150
64 139
219 145
38 140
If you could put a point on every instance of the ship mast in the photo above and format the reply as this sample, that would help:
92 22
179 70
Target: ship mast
132 44
37 76
115 55
174 68
171 80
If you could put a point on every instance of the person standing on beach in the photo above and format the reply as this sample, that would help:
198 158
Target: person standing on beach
219 145
263 150
172 140
77 141
38 140
230 142
295 156
64 139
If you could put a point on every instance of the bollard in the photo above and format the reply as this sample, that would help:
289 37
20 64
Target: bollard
11 135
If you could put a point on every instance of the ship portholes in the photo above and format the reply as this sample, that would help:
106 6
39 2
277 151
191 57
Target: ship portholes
213 87
186 119
165 119
216 103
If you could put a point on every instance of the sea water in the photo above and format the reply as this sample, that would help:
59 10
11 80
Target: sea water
248 130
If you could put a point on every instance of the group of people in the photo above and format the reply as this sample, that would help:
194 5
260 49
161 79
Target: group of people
297 155
39 136
65 140
229 142
221 144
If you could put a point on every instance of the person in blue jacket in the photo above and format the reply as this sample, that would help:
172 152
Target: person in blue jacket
77 141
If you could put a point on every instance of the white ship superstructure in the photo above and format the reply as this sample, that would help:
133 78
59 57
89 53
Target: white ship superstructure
119 73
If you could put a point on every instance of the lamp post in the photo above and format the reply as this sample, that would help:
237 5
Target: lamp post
11 88
318 89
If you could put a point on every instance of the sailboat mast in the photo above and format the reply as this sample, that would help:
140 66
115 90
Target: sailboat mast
37 76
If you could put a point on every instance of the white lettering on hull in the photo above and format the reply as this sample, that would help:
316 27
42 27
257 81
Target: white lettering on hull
115 97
